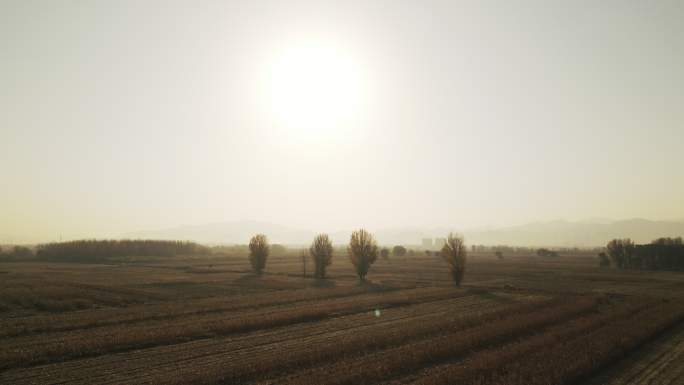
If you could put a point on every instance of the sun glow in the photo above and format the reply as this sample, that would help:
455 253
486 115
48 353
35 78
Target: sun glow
315 90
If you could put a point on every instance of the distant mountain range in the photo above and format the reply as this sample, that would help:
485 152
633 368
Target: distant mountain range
228 233
583 233
593 232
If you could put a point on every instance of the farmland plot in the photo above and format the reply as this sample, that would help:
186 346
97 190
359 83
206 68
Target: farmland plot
242 352
211 321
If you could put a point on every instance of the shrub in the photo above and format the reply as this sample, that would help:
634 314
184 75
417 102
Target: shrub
384 253
321 251
604 261
498 254
398 251
454 252
363 251
22 252
546 253
258 252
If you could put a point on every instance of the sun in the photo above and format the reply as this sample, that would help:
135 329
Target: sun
315 90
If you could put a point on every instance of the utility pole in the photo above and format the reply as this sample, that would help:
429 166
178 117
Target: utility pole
304 263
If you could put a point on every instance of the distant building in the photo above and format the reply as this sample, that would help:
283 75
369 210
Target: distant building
427 243
440 242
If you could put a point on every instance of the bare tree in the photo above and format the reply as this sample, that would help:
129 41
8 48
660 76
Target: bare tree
321 251
258 252
454 252
363 251
621 252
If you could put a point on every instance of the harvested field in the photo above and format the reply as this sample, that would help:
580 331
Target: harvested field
210 321
657 362
341 192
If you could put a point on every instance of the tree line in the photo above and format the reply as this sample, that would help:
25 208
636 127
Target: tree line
16 253
362 251
660 254
102 250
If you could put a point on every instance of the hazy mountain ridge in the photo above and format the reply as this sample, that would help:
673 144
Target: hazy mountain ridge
564 233
237 232
553 233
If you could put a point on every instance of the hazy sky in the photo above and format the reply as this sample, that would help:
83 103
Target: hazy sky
125 115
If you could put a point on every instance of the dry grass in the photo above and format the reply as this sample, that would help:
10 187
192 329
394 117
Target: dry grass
42 348
483 366
448 317
455 342
563 354
164 311
566 361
